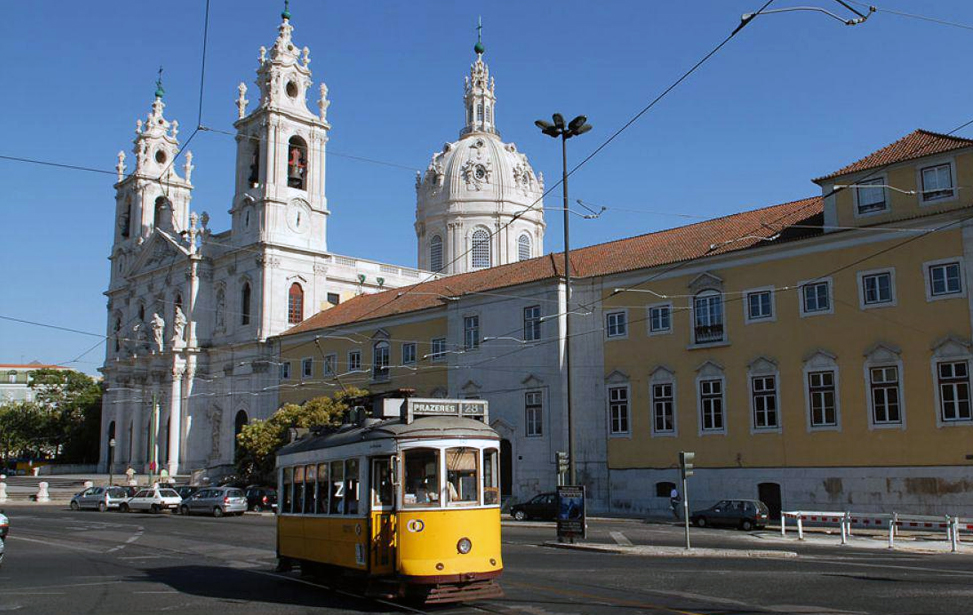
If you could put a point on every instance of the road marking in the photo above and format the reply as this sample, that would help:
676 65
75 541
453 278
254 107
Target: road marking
131 557
41 587
612 601
165 591
54 544
620 538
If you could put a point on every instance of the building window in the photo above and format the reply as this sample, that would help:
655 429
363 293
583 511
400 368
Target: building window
816 298
764 399
285 370
534 414
954 391
297 163
354 360
885 395
471 332
616 324
937 182
481 249
760 305
660 319
295 304
523 247
877 288
944 279
408 353
532 323
436 253
708 318
307 368
711 404
871 195
663 415
245 304
330 364
821 397
334 298
437 350
618 409
380 361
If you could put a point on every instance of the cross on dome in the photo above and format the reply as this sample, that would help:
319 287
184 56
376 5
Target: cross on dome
479 98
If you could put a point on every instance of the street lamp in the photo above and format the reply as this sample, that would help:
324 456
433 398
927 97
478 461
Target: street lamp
111 459
577 126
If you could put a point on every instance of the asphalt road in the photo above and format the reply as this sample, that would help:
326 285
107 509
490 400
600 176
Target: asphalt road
60 561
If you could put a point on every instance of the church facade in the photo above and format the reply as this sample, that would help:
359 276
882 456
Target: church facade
190 310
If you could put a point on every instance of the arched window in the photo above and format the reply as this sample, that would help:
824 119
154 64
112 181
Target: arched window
177 302
295 304
380 361
254 177
489 114
523 247
481 249
126 221
245 304
117 329
479 112
436 253
297 163
239 423
142 312
163 213
220 309
708 317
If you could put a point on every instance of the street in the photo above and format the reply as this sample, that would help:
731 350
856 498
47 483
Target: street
87 562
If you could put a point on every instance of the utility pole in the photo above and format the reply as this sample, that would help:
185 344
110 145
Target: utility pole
685 470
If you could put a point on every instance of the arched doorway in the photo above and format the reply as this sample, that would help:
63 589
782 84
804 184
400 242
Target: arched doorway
506 468
239 423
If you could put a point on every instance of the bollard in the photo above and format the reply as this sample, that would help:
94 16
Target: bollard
783 524
892 521
844 530
953 529
3 488
42 494
800 527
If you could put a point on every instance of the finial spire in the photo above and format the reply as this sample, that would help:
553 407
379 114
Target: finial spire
478 48
286 14
159 90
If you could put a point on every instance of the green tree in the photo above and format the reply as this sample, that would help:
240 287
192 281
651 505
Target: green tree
71 402
259 441
24 427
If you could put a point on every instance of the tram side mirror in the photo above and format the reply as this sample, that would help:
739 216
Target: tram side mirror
394 469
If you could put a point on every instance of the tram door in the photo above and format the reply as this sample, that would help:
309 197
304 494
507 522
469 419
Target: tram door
382 518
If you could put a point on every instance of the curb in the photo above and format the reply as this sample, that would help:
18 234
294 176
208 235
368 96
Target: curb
673 551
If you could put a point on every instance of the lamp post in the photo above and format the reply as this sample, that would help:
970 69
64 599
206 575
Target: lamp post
111 459
577 126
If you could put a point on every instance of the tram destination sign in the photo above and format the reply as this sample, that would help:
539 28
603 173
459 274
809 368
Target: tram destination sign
466 408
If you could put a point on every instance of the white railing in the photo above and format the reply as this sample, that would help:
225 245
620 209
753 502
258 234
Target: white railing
953 525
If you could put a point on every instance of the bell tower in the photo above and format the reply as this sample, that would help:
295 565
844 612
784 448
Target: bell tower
280 171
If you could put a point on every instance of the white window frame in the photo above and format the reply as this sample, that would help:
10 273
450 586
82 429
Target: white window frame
871 364
520 246
815 282
532 324
330 365
894 300
608 326
306 363
665 378
285 370
872 179
539 422
921 188
650 321
822 362
376 372
405 355
351 364
941 421
699 404
747 319
706 293
489 248
927 278
752 393
628 410
435 356
471 345
433 246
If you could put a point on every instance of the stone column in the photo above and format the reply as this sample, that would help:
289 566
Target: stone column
175 421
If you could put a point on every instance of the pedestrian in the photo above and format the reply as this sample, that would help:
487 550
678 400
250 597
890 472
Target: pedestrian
674 502
130 474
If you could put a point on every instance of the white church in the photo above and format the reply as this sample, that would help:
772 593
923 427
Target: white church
190 310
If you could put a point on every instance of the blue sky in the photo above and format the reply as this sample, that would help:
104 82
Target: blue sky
794 96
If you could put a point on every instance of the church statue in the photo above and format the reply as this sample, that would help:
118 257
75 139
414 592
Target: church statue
178 326
132 343
158 332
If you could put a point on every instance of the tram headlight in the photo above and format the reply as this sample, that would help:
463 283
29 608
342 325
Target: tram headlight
464 545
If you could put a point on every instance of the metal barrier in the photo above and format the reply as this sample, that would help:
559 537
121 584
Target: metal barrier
952 525
841 518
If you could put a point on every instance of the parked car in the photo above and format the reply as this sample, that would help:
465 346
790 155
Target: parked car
744 514
100 498
217 501
261 498
543 506
185 491
153 500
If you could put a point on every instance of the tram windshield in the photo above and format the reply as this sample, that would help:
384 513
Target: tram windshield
421 477
462 481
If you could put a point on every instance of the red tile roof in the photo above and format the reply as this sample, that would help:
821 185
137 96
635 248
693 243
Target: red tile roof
718 236
914 145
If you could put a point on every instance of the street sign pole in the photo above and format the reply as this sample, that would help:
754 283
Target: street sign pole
686 470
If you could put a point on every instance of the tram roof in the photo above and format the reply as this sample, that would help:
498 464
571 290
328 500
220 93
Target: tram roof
422 427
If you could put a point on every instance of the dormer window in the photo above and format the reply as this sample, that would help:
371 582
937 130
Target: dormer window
937 182
871 195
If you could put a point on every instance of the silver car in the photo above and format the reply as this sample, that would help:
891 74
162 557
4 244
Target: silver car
100 498
216 501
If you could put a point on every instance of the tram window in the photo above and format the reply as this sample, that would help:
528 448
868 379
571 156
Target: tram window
351 487
491 477
421 477
323 489
462 478
298 489
337 486
310 476
381 483
286 493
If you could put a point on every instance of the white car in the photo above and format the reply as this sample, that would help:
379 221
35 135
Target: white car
153 500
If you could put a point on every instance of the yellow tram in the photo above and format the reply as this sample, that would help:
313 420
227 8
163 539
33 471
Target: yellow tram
405 497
